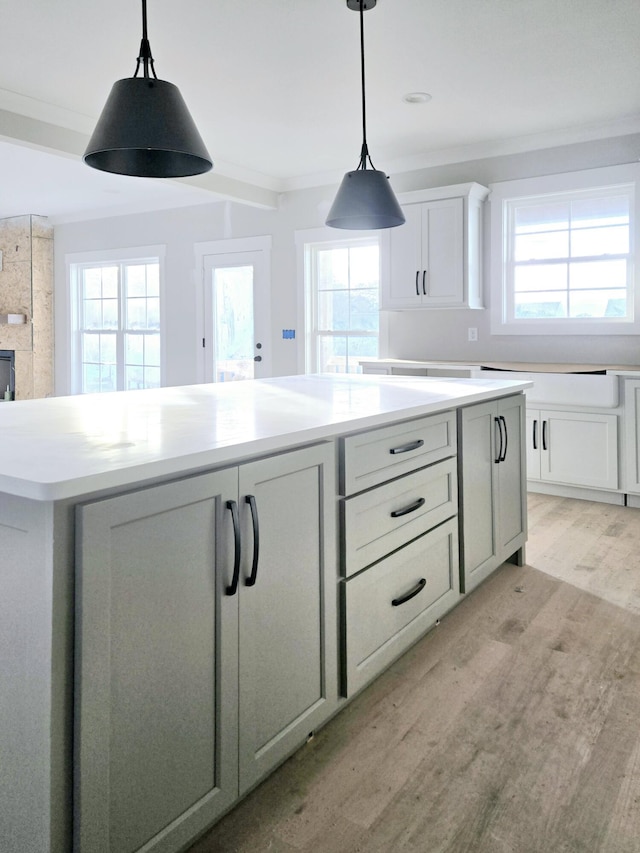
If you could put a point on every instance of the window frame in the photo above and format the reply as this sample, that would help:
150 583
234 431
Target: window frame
117 257
589 183
310 241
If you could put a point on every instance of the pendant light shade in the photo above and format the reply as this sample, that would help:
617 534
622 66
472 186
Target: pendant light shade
145 128
365 200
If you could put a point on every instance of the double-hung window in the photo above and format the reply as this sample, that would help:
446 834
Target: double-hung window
567 261
342 302
117 324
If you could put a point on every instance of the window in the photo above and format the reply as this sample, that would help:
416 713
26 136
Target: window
342 304
117 313
567 261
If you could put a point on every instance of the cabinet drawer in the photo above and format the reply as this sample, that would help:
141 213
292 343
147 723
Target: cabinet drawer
384 519
377 630
373 457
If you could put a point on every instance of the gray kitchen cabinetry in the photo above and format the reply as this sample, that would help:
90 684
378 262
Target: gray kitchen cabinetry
493 487
399 554
435 258
206 644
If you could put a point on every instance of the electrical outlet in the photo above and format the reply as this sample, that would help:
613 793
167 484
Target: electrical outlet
473 333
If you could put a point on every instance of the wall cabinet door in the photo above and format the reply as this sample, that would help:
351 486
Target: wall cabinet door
573 448
492 486
436 256
427 257
288 623
156 666
206 645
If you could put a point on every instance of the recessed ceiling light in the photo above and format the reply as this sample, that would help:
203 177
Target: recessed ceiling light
417 98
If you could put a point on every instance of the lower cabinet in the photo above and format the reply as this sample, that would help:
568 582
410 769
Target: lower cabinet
492 486
631 482
390 605
399 540
573 448
206 645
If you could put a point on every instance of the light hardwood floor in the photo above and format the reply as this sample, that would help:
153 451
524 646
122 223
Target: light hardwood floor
512 727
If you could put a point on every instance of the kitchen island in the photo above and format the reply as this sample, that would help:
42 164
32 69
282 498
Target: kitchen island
145 687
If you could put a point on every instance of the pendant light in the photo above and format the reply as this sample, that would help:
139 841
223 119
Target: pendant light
145 128
365 199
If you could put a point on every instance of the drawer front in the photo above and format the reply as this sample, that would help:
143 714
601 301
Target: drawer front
379 455
381 618
379 521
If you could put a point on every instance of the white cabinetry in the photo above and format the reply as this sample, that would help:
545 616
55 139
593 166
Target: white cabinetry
632 440
399 537
492 483
572 448
435 257
206 644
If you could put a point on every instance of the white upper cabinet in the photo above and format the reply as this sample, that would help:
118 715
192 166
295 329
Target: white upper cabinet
435 257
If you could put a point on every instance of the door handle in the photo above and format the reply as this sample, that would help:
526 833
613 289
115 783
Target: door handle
535 434
498 423
418 588
506 438
424 285
417 283
544 435
233 588
251 500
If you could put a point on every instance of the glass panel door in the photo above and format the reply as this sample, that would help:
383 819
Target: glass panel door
236 317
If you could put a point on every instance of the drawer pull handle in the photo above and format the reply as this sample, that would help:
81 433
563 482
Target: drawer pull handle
412 508
406 448
232 506
418 588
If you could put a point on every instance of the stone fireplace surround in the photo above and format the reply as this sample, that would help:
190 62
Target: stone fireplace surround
26 287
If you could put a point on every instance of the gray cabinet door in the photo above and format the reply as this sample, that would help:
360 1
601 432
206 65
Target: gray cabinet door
478 484
156 666
492 486
288 623
512 477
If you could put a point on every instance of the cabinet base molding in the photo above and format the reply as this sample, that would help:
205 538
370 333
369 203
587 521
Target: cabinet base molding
600 495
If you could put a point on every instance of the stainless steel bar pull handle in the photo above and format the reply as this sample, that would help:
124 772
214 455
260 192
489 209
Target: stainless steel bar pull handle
417 282
535 434
251 500
406 448
544 435
418 588
232 506
407 509
424 282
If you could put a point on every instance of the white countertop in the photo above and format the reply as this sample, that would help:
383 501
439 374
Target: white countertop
65 447
517 366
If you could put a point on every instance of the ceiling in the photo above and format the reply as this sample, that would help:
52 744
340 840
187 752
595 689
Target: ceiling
273 86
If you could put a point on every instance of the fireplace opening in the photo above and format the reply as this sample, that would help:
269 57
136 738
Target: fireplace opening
7 375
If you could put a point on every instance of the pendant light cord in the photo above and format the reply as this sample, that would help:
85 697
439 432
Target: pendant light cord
364 153
145 56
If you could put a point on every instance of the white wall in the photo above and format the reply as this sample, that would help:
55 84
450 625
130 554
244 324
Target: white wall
441 334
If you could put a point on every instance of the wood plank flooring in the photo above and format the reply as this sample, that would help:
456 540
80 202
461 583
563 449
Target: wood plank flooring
512 727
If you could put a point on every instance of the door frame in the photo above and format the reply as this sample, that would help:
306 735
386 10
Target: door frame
239 245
